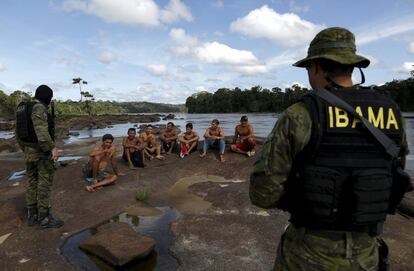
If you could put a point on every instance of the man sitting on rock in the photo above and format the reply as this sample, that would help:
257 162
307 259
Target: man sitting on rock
188 140
100 156
214 138
169 138
151 145
133 150
244 141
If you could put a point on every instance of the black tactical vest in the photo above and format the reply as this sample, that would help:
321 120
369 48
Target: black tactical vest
342 179
24 124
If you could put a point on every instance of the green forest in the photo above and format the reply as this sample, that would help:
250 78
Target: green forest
88 106
258 99
224 100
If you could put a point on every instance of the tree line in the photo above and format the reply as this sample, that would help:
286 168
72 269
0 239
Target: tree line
224 100
258 99
88 106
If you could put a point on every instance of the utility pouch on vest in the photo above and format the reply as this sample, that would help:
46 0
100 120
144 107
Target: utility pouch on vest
319 192
401 183
371 191
383 262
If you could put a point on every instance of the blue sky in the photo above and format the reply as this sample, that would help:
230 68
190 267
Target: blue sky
166 50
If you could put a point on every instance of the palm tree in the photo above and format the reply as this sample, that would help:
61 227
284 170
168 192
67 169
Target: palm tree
79 81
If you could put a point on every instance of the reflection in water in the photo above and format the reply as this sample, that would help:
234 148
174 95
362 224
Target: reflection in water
17 175
157 227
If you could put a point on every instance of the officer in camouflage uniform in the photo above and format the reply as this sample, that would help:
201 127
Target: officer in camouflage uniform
328 173
35 134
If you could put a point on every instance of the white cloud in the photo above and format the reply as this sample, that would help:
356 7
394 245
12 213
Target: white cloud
174 11
2 67
373 61
241 61
385 30
201 88
218 53
284 59
157 69
106 57
182 78
131 12
285 29
160 70
411 48
251 69
407 67
4 88
218 4
213 80
294 7
179 36
218 33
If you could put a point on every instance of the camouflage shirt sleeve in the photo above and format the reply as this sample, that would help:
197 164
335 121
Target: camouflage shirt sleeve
39 118
404 146
289 136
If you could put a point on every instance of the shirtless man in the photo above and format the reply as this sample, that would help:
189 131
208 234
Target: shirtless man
168 138
100 156
214 138
188 140
244 141
151 145
131 145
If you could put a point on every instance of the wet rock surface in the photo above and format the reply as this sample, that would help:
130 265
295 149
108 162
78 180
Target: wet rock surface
6 125
118 244
407 204
9 145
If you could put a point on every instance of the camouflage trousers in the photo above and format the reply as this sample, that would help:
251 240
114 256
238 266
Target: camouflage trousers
301 249
40 174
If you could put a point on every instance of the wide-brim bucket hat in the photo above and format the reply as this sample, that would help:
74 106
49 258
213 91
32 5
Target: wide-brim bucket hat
336 44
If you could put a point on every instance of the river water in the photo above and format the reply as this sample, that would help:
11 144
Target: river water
262 124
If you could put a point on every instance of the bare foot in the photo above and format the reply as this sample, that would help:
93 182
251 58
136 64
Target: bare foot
150 157
203 155
131 166
89 188
221 158
159 157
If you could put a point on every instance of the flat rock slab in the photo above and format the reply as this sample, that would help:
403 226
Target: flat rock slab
117 243
407 204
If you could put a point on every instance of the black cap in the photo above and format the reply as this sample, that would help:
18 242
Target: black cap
244 118
44 94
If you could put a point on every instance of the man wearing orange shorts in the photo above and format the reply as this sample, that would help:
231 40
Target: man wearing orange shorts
244 141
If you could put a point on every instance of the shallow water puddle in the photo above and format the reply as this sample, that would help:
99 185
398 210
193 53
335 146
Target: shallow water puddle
17 175
184 200
156 227
69 158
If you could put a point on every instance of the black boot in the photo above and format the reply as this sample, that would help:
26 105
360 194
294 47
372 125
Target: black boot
46 220
31 215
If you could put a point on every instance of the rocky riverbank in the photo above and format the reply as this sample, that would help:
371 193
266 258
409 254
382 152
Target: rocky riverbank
218 227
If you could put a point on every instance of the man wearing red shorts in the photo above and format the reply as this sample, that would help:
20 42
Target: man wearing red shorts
244 141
